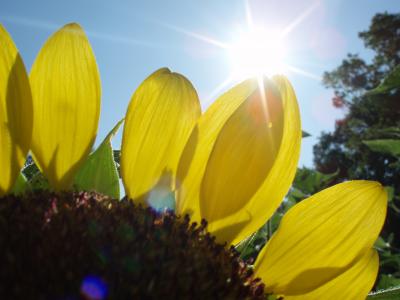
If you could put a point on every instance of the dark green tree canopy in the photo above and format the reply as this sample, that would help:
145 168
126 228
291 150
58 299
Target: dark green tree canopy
368 114
355 76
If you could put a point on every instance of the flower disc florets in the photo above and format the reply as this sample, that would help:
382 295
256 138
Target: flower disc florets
88 246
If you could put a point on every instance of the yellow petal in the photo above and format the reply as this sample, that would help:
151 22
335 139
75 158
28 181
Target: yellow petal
15 112
354 284
248 144
194 159
243 154
66 94
159 120
322 236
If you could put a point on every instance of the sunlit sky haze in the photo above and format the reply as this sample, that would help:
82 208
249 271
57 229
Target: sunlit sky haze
131 39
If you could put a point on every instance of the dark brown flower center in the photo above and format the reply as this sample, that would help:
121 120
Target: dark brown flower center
88 246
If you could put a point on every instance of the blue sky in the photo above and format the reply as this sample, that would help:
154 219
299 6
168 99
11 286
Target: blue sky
131 39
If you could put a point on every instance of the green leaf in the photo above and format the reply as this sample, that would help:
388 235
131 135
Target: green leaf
310 181
390 192
388 132
39 182
391 82
117 159
305 134
381 244
388 146
35 178
117 156
99 172
387 282
390 294
20 185
295 192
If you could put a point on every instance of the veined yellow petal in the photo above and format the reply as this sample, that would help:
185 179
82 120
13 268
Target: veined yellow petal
322 236
248 145
159 120
66 93
243 154
354 284
193 162
275 186
15 112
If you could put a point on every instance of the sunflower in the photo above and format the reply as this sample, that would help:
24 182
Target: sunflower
231 165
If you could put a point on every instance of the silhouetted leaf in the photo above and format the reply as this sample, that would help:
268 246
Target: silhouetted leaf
99 173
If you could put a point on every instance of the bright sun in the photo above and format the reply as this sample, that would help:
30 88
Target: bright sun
257 52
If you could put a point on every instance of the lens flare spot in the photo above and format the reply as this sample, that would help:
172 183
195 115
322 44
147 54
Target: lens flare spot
162 196
93 288
161 200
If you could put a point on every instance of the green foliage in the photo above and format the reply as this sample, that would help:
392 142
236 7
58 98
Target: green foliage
390 83
383 38
385 146
21 185
99 173
390 193
35 179
305 134
251 247
388 281
390 294
310 181
30 169
389 263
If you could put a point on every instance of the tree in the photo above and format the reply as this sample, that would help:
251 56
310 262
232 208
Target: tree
355 76
369 115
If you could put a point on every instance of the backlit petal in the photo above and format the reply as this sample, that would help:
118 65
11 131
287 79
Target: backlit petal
194 159
276 185
353 284
322 236
243 154
159 120
66 94
15 112
248 145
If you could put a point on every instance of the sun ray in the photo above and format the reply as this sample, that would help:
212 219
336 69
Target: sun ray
39 24
197 36
249 16
267 116
120 39
261 88
300 18
218 90
260 51
28 22
303 72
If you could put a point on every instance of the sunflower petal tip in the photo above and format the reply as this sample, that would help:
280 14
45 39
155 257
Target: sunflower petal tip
377 185
370 184
73 27
173 102
15 112
73 84
162 70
